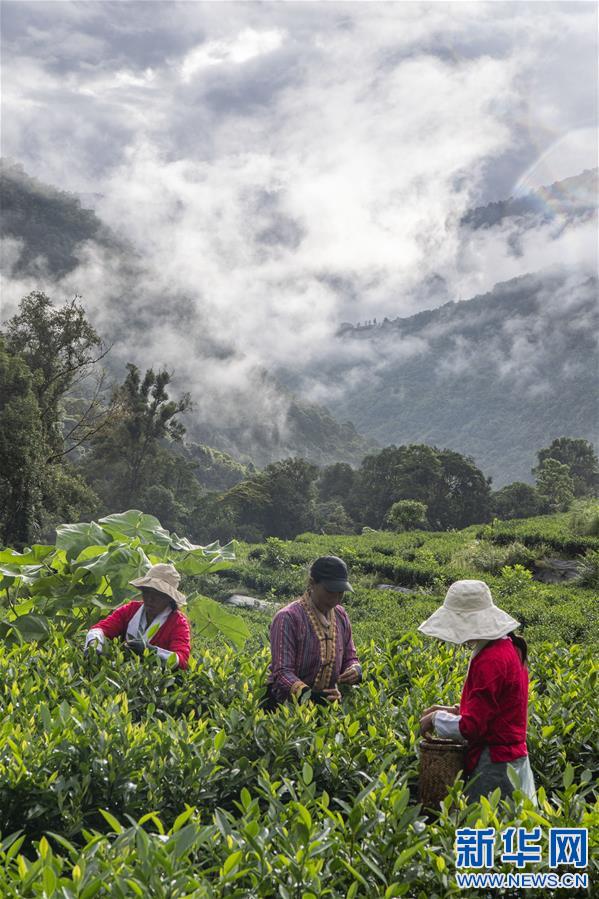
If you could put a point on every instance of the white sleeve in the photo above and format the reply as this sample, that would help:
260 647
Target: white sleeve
96 634
164 654
448 725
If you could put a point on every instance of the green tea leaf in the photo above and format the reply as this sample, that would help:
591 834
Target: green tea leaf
568 777
111 820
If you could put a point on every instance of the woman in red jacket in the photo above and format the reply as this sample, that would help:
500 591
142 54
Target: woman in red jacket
492 716
153 622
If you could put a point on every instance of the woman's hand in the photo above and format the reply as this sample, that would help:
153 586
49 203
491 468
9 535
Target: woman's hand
426 723
349 676
332 694
452 709
136 646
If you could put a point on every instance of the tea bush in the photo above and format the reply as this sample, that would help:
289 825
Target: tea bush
588 572
584 518
325 794
120 777
424 564
553 530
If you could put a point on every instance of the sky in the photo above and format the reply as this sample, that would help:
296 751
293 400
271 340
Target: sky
283 167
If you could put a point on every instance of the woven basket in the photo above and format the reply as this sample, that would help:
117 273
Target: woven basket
440 762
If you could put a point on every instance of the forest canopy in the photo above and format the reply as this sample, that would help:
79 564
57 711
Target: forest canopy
71 448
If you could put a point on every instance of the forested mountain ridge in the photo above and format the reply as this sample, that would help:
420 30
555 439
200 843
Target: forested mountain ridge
49 224
576 197
493 377
310 431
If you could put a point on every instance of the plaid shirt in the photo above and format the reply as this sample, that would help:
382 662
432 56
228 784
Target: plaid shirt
307 654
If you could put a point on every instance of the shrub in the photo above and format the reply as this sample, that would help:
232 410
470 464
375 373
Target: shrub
487 556
515 579
584 519
588 572
407 515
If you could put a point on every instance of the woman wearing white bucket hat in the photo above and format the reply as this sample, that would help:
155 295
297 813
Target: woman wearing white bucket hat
154 621
493 712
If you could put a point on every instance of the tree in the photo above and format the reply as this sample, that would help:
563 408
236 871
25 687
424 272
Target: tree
290 485
217 470
555 485
245 509
454 490
581 459
465 494
34 493
336 482
517 500
61 349
276 502
406 515
330 517
22 452
405 472
126 458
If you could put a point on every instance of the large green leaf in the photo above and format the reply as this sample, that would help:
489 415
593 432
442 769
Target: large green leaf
75 537
200 564
52 584
211 619
31 627
119 564
22 608
90 552
215 549
35 555
27 574
133 524
199 559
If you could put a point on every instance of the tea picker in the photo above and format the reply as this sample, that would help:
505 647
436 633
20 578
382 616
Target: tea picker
489 725
153 621
312 648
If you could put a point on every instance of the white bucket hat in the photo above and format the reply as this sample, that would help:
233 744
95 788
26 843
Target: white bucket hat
164 578
468 613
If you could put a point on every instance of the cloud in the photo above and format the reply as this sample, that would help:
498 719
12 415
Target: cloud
492 255
247 45
528 341
280 168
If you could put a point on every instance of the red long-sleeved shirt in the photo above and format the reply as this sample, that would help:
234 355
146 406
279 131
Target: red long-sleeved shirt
174 635
494 704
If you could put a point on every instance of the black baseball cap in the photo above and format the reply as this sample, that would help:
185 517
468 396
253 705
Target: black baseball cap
331 572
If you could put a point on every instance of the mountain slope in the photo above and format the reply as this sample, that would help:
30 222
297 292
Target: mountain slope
50 224
574 198
496 377
298 429
262 423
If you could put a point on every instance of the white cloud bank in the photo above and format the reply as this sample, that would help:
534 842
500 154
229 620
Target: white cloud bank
246 45
284 167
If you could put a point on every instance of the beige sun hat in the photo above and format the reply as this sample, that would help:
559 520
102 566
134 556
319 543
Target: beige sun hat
468 613
164 578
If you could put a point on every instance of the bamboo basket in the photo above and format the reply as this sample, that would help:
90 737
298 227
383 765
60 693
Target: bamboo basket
440 763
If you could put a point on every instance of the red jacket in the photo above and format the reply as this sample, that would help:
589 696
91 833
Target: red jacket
174 634
494 704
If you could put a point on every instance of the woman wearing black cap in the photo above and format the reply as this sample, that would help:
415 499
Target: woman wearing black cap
311 639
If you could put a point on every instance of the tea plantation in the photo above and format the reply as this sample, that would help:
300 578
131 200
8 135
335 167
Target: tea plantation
120 777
